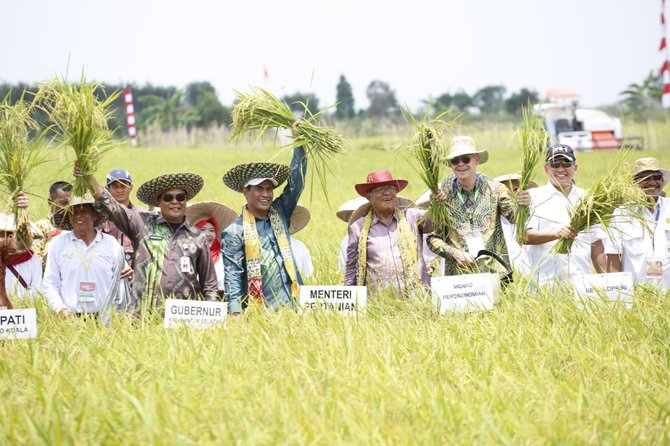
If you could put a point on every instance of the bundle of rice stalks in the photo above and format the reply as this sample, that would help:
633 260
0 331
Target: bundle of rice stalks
533 143
616 189
428 153
261 111
80 120
19 154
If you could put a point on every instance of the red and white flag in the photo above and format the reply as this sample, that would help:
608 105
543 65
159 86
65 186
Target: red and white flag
665 68
130 115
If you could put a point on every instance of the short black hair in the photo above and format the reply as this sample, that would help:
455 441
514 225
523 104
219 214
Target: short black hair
62 185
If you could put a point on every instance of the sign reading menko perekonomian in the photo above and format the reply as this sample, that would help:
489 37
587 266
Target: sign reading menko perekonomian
467 292
18 324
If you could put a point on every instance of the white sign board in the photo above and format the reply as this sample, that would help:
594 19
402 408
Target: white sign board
18 324
347 300
194 313
467 292
610 287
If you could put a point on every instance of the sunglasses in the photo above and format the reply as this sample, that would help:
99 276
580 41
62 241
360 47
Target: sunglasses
465 159
652 176
169 197
563 164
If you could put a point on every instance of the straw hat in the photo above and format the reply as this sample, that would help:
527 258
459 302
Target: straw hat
363 209
203 210
379 178
62 219
650 165
191 183
513 177
299 219
424 200
349 206
8 224
465 145
237 177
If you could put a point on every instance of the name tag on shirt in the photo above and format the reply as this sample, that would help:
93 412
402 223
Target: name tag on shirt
86 292
475 244
185 264
654 271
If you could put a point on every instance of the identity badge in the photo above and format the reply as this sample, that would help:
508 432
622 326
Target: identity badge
475 244
185 263
86 292
654 272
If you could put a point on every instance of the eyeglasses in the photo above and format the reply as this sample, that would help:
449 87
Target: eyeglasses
658 176
465 159
169 197
563 164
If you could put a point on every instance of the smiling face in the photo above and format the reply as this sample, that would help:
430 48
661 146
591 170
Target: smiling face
259 198
561 171
210 233
465 172
651 182
82 218
384 199
173 211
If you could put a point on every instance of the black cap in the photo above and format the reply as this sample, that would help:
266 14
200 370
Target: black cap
561 150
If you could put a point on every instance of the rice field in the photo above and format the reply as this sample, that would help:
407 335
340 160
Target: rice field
535 370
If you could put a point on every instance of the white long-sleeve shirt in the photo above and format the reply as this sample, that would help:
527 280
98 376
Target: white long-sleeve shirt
303 258
31 272
71 265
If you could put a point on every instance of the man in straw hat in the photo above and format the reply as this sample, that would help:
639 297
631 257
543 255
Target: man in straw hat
385 238
550 220
344 214
634 248
171 259
303 259
476 204
83 264
258 260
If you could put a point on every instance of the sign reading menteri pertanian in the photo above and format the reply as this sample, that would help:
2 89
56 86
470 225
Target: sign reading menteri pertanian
611 287
467 292
194 313
18 324
347 300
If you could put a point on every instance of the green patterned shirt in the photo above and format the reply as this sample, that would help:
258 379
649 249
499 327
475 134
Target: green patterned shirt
475 212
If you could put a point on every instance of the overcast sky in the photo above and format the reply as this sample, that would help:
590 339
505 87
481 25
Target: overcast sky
420 47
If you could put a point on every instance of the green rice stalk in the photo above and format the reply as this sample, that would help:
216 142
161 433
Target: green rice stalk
615 190
19 154
533 142
261 111
80 120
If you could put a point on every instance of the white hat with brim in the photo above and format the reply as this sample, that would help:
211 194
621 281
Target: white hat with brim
349 206
365 208
8 224
465 145
149 192
62 219
513 177
650 165
242 174
204 210
299 219
423 201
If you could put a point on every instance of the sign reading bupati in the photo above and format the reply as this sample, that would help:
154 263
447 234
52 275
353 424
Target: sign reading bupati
194 313
467 292
18 324
347 300
610 287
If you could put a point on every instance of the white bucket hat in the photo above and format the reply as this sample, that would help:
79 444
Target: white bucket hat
465 145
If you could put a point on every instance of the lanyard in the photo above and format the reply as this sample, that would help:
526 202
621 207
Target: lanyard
84 264
653 234
460 195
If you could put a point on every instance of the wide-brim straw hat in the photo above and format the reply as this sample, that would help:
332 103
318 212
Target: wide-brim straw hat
62 219
379 178
349 206
299 219
465 145
513 177
203 210
8 224
241 174
650 165
149 192
365 208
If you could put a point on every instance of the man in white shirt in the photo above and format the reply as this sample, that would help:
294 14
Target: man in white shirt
550 221
83 264
634 248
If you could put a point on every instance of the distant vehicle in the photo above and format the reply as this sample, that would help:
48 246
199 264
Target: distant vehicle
583 128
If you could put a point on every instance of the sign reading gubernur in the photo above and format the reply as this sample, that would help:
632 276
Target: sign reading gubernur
193 313
18 324
348 300
467 292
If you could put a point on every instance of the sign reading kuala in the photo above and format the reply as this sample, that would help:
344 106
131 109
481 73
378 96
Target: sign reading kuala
18 324
610 288
193 313
467 292
347 300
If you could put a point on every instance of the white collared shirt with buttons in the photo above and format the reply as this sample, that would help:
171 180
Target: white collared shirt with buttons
637 245
550 210
518 254
65 271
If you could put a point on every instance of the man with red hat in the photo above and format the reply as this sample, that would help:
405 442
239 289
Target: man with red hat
385 238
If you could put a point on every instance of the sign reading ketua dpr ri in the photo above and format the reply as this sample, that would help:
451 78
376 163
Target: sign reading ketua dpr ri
18 324
347 300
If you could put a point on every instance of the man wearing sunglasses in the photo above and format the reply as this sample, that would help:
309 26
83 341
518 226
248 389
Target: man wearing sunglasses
550 221
171 258
633 247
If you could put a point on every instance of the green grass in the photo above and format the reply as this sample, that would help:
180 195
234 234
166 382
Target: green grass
535 370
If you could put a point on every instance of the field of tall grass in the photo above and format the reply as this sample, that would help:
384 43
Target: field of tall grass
536 369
